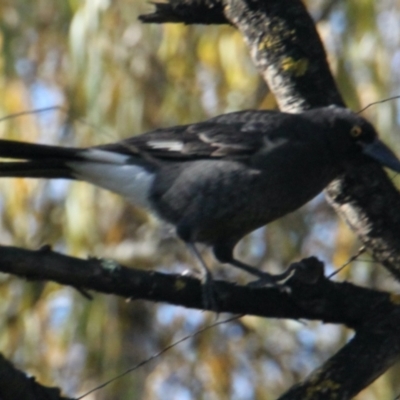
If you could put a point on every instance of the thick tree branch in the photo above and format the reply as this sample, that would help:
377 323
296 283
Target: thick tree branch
188 12
307 295
286 49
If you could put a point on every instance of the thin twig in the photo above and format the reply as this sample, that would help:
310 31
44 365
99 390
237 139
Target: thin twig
360 251
34 111
378 102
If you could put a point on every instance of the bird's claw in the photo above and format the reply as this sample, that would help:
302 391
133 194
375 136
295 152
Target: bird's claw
261 283
307 271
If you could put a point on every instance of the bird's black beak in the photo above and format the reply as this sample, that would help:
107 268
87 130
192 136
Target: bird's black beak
381 153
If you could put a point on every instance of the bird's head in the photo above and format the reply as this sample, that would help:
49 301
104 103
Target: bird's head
351 131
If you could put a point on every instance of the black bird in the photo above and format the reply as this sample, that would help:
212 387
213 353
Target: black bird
217 180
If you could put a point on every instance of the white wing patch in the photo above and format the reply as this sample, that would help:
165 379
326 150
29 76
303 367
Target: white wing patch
130 181
166 144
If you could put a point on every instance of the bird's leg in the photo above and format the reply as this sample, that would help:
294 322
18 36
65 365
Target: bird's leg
208 290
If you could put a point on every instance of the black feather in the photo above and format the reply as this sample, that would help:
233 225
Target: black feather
30 151
36 169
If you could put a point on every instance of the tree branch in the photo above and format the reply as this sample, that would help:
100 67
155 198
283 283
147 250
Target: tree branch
307 295
188 12
374 348
15 384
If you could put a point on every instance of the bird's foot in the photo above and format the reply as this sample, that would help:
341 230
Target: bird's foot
264 278
307 271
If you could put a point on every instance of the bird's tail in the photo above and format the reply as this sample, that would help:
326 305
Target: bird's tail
36 160
128 175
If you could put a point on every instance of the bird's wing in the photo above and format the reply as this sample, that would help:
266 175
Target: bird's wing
235 135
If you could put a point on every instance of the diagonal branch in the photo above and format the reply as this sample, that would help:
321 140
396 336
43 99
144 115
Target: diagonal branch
374 348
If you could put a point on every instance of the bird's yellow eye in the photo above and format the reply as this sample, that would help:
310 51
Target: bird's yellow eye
356 131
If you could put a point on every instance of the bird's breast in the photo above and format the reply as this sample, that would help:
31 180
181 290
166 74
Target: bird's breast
220 198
